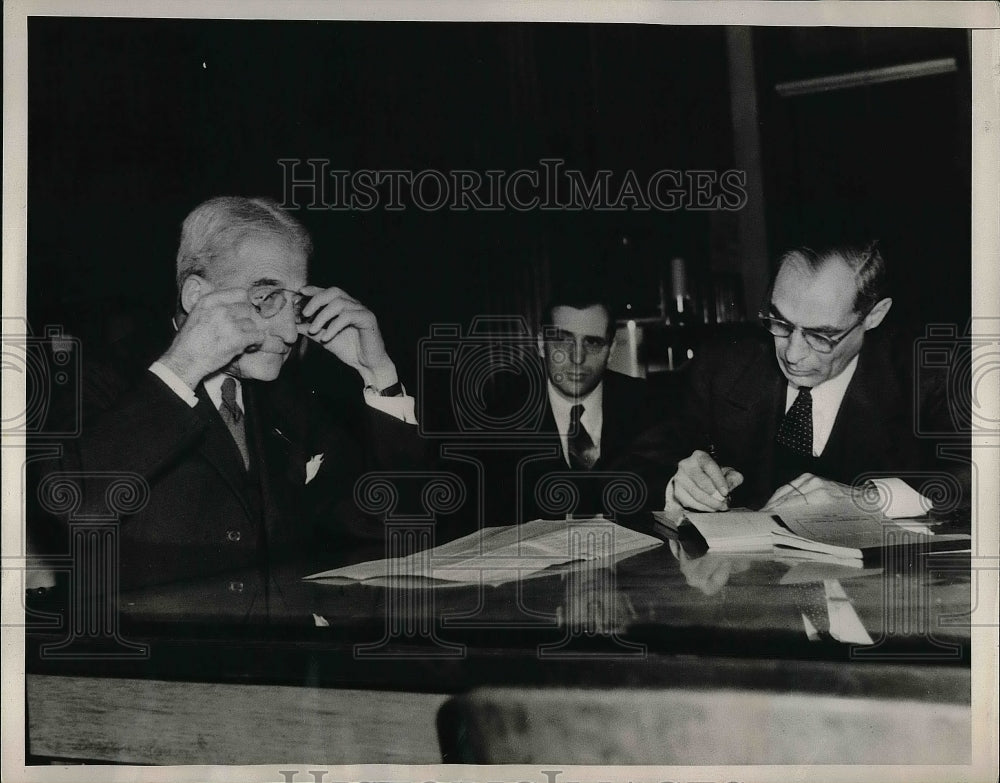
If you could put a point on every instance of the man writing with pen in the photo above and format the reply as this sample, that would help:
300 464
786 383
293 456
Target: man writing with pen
242 461
800 416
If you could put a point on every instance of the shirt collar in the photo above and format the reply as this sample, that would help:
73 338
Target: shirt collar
831 392
593 404
828 395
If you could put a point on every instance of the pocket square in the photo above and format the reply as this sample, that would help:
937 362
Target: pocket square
312 467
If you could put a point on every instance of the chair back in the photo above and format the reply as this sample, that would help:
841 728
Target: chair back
698 727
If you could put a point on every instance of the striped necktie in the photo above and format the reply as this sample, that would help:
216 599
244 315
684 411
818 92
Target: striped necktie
233 418
582 451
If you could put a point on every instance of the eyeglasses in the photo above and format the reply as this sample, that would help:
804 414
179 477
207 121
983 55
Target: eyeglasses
818 341
562 340
269 301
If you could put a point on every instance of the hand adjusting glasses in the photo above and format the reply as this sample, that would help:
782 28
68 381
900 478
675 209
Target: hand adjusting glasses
269 301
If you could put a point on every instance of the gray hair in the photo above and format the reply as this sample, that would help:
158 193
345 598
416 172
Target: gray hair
867 263
217 227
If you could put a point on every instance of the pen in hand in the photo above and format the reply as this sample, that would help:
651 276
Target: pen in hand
714 454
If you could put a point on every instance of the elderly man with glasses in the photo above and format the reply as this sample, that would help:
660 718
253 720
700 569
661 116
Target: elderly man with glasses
826 403
242 466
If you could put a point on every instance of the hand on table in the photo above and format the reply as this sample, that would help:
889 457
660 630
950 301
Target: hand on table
810 490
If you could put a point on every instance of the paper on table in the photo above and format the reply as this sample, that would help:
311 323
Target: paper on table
735 531
901 500
858 530
495 555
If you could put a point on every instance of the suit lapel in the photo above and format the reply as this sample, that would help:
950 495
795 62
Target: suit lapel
549 427
861 420
281 456
613 429
220 450
754 387
757 400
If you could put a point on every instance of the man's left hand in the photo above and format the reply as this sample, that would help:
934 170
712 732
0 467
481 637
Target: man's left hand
810 490
348 330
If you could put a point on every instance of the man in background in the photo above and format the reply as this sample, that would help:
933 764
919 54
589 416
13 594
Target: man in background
590 413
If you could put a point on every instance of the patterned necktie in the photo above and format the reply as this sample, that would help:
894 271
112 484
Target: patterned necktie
582 451
796 430
233 417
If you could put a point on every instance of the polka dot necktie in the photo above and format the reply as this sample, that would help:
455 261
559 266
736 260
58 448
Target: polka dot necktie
796 430
582 451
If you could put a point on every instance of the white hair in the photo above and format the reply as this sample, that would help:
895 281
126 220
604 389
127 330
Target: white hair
217 227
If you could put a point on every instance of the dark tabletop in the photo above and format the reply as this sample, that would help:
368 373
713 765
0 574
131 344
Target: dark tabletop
650 618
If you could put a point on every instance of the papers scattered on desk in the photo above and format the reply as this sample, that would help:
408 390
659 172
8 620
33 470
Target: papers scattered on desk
864 537
495 555
836 532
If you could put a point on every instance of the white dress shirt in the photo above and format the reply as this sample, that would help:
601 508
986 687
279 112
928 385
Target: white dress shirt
213 385
592 418
898 498
826 399
401 408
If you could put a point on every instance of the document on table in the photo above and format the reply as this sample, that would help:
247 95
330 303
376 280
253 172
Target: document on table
739 530
842 533
495 555
829 531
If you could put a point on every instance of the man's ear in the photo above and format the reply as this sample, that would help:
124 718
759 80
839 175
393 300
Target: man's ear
193 288
877 314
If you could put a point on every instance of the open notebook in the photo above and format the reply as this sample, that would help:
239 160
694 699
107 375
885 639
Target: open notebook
495 555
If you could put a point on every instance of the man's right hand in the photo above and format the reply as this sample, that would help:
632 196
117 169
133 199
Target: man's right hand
701 485
221 325
710 572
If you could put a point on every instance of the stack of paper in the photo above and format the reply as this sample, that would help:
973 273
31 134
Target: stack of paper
821 532
862 536
735 531
495 555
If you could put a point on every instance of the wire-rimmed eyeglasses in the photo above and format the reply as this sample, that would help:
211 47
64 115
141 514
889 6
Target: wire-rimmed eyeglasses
269 301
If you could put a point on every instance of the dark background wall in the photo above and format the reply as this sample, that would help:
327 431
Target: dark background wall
889 160
133 122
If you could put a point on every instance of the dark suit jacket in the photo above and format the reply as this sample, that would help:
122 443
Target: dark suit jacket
518 474
734 401
205 514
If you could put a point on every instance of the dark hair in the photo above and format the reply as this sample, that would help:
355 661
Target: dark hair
580 297
870 273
